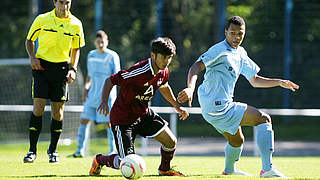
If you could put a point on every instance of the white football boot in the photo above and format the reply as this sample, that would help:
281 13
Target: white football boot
272 173
237 172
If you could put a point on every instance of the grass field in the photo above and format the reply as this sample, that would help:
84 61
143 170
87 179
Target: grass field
12 166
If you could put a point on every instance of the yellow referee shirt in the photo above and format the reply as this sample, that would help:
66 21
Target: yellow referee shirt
56 36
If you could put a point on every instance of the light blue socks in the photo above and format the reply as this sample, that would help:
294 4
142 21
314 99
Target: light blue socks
81 137
110 141
265 142
232 155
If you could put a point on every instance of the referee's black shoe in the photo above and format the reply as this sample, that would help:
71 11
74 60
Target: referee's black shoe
30 157
53 157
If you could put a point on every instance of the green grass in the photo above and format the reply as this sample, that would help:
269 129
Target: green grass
12 167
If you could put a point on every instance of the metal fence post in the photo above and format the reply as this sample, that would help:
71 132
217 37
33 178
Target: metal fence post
173 123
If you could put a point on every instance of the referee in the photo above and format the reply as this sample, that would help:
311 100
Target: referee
54 65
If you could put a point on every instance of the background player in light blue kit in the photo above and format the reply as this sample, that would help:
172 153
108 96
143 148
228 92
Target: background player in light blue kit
224 62
101 63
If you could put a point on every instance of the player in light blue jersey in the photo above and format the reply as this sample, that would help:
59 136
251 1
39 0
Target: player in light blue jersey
101 63
224 62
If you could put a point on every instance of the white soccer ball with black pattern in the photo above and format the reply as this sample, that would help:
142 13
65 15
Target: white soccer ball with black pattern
132 166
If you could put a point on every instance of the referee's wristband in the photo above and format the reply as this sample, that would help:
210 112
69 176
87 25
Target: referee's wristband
74 69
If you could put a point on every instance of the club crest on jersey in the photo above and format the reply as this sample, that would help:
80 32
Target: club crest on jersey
159 82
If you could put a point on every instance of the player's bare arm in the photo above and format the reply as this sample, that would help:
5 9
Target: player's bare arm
103 107
167 93
187 93
34 62
74 55
263 82
87 86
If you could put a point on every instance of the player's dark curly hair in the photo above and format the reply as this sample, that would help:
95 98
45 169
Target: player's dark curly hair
101 34
237 20
164 46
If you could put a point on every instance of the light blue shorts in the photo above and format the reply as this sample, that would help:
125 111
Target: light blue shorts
91 113
228 121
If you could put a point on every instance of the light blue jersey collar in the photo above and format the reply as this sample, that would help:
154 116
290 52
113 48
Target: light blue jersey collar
228 46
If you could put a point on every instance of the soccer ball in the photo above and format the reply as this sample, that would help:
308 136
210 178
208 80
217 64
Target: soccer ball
132 166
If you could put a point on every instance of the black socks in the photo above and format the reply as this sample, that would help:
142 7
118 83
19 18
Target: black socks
56 129
35 126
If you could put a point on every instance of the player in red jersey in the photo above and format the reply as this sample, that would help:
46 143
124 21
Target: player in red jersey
130 115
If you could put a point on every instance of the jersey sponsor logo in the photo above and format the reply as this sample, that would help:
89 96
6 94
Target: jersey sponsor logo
143 98
149 90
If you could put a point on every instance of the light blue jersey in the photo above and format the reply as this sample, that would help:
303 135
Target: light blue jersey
100 67
224 65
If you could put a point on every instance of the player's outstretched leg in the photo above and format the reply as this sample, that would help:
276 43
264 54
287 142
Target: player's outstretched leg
265 142
100 160
166 157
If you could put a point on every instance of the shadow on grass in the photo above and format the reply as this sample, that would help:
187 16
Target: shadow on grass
55 176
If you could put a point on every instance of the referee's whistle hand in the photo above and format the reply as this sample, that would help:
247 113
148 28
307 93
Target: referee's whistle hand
35 64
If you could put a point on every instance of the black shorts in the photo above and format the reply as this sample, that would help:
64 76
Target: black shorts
150 125
50 82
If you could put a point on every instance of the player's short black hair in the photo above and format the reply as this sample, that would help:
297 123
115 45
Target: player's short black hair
164 46
101 34
237 20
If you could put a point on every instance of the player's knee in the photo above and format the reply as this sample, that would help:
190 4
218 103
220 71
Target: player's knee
172 143
265 118
57 115
237 142
84 121
38 111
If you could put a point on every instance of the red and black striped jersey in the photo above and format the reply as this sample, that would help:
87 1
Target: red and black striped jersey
138 85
